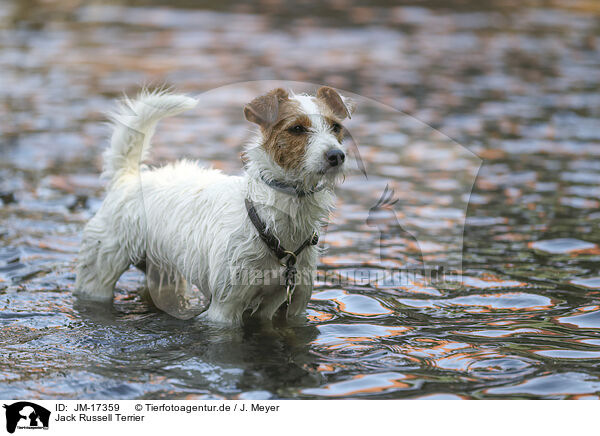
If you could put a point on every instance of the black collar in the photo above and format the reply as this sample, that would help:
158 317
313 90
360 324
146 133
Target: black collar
271 240
286 188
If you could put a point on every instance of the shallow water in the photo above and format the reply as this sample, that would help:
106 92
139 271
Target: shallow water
516 85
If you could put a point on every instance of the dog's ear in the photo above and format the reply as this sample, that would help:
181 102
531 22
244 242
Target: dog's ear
263 110
342 107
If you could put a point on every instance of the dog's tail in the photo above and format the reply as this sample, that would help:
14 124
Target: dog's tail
134 123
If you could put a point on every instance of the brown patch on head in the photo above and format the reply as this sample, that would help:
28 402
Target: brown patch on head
276 114
336 127
287 140
330 99
264 110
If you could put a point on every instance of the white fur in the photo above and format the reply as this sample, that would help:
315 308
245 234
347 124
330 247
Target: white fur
190 223
307 103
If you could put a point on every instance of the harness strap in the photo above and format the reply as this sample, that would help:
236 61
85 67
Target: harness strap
279 250
272 241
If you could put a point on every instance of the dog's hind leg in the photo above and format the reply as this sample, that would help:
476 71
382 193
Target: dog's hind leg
102 260
172 293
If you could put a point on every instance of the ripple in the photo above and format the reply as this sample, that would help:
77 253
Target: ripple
80 385
589 282
562 245
568 383
362 385
585 321
488 302
440 397
501 367
353 304
589 341
318 316
569 354
336 334
498 333
403 281
435 352
487 282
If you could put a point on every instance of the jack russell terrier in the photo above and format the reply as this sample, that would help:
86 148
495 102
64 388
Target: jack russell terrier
248 243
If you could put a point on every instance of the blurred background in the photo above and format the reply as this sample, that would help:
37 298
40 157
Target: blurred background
514 82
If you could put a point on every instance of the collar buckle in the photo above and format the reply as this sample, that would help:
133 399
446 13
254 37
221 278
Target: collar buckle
291 260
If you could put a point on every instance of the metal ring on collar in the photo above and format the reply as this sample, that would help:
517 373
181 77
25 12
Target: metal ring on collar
291 255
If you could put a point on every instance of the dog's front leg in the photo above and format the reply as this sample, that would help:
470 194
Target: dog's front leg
300 299
272 298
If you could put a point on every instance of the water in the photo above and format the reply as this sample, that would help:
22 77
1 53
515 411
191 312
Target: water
516 84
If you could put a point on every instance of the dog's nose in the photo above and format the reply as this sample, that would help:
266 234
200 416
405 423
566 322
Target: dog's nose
335 157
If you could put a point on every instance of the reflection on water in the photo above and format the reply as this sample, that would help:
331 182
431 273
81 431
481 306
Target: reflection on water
516 85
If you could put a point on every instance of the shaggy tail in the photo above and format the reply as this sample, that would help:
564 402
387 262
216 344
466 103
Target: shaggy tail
134 124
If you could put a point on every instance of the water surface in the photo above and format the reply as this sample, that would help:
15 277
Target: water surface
515 84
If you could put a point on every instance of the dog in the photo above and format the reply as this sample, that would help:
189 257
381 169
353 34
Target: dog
248 243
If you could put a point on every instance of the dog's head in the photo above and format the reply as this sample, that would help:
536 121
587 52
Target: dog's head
301 136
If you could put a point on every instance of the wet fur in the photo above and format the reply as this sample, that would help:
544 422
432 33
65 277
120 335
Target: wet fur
189 225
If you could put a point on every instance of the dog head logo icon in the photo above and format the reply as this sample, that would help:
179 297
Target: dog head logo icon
26 415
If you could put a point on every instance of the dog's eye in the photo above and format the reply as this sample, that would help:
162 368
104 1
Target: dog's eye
297 129
336 128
